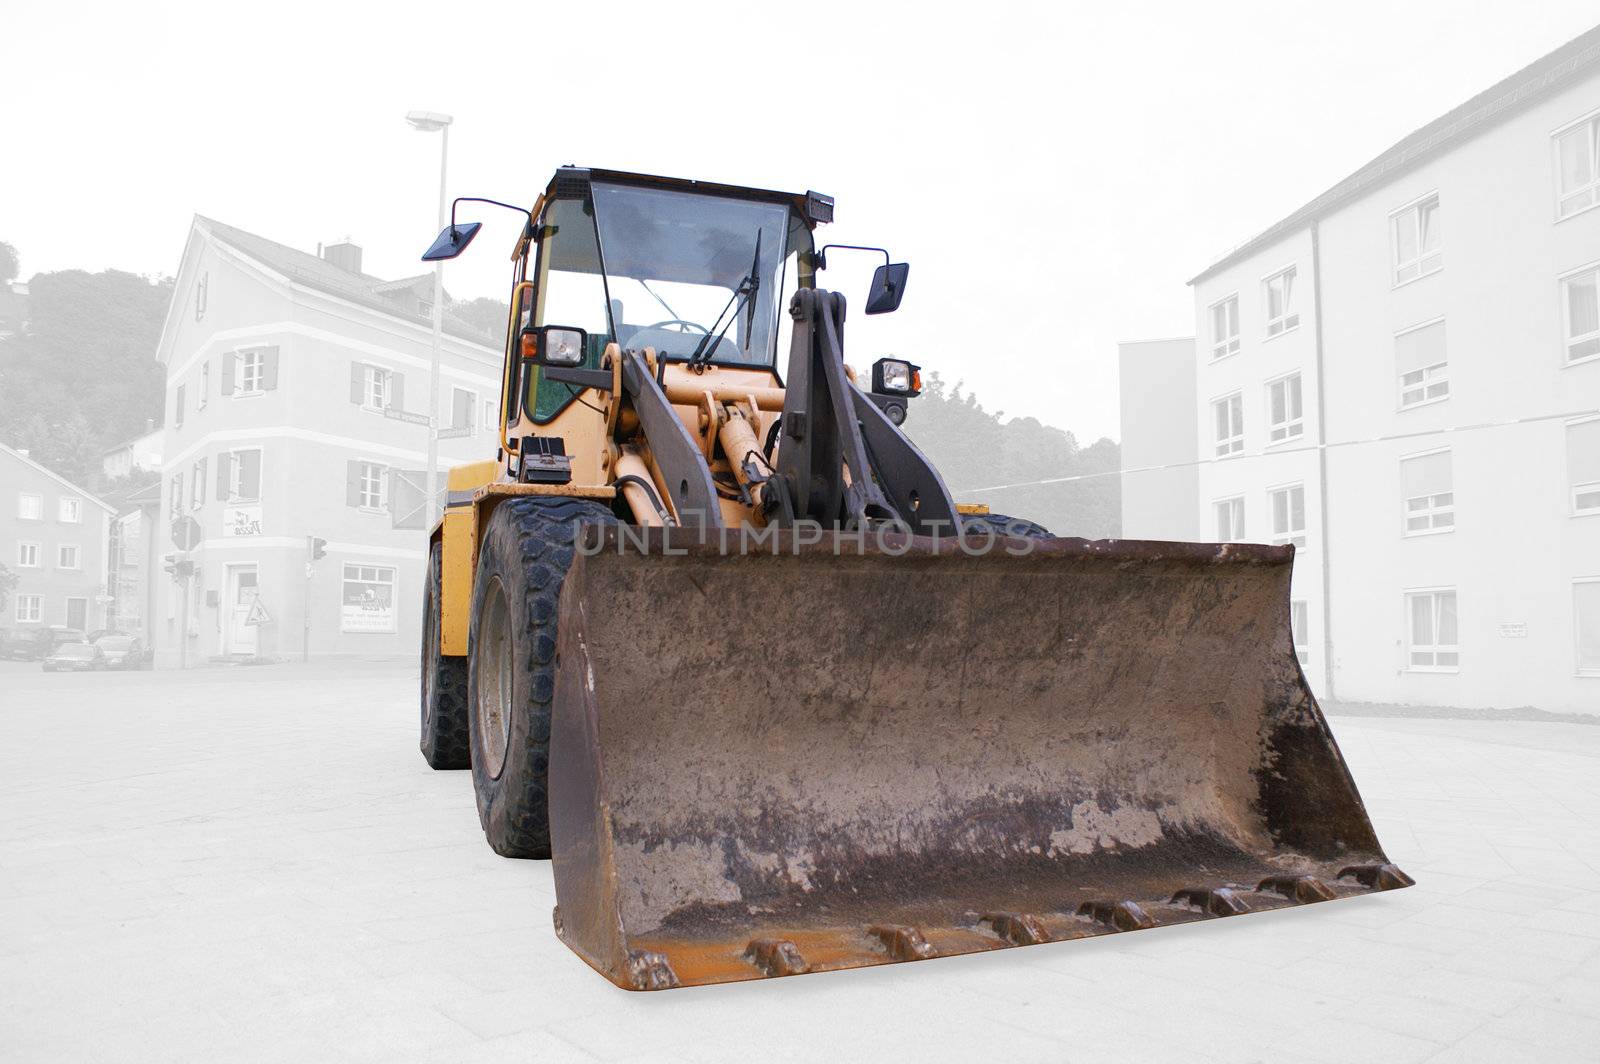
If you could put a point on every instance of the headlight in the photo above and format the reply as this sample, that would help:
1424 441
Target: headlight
563 347
893 376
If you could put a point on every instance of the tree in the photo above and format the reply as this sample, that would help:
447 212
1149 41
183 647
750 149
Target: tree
486 315
10 263
84 377
974 448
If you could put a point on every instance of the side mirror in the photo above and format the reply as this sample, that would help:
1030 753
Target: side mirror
888 287
453 241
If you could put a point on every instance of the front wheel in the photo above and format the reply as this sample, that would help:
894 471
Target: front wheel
527 550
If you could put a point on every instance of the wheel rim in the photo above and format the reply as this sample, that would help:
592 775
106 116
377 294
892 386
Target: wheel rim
494 678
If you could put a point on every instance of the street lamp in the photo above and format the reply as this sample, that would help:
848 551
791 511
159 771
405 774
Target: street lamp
433 122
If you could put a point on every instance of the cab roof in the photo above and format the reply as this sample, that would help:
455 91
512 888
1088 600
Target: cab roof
814 207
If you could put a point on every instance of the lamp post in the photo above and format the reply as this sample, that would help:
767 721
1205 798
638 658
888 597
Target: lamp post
431 122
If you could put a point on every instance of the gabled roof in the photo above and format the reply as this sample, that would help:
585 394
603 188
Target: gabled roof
1571 62
304 268
58 478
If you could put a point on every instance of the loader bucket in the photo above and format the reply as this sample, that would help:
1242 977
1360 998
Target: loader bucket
827 755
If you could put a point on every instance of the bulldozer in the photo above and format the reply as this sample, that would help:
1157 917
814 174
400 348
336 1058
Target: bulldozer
714 637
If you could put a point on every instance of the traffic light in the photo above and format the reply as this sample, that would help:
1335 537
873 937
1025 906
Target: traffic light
178 566
318 547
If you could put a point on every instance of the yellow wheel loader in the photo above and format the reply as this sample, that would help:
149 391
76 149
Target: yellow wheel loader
713 636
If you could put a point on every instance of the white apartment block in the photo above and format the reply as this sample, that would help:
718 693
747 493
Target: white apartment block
1402 379
297 398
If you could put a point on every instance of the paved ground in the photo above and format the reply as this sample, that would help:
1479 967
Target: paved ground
255 864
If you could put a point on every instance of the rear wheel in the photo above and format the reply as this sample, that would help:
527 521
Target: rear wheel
527 550
444 682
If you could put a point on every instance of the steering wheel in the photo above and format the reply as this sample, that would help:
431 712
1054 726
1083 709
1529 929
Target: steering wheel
663 323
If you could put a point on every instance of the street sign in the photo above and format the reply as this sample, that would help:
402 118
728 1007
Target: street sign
405 415
455 434
185 533
258 613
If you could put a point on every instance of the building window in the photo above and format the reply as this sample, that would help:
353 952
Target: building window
367 485
67 556
197 484
27 555
1426 487
30 609
1225 328
177 407
175 504
1583 466
251 371
205 384
1285 412
1586 625
69 509
1289 514
1415 234
1230 519
373 387
1580 310
1300 627
1431 635
368 599
30 507
1578 167
1279 297
463 406
1228 417
1420 362
488 412
239 475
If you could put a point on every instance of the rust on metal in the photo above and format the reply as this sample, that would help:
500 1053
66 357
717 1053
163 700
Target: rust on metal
648 970
1019 929
811 739
1301 889
776 956
903 943
1380 876
1122 915
1217 901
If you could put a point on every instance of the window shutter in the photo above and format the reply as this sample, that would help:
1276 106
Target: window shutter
200 481
269 368
1583 452
228 362
250 474
397 391
1419 348
177 408
352 483
1428 475
358 384
461 416
225 462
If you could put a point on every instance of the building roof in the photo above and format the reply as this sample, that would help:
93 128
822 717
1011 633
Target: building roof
302 267
1546 75
58 478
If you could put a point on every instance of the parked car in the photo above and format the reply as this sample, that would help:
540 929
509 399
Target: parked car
39 643
123 651
74 657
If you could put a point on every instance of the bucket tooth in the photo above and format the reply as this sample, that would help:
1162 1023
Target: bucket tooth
1122 915
776 956
903 943
1301 889
648 970
1019 929
1218 901
1377 876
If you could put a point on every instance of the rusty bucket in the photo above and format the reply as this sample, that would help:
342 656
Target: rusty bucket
807 755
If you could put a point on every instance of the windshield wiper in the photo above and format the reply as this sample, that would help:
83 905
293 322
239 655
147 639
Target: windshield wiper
741 295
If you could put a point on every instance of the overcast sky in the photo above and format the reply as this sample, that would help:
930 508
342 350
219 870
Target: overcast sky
1054 173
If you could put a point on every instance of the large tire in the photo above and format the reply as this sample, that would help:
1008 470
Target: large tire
526 552
1003 525
444 683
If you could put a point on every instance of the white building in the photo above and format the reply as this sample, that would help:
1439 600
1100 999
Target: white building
1403 379
297 395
